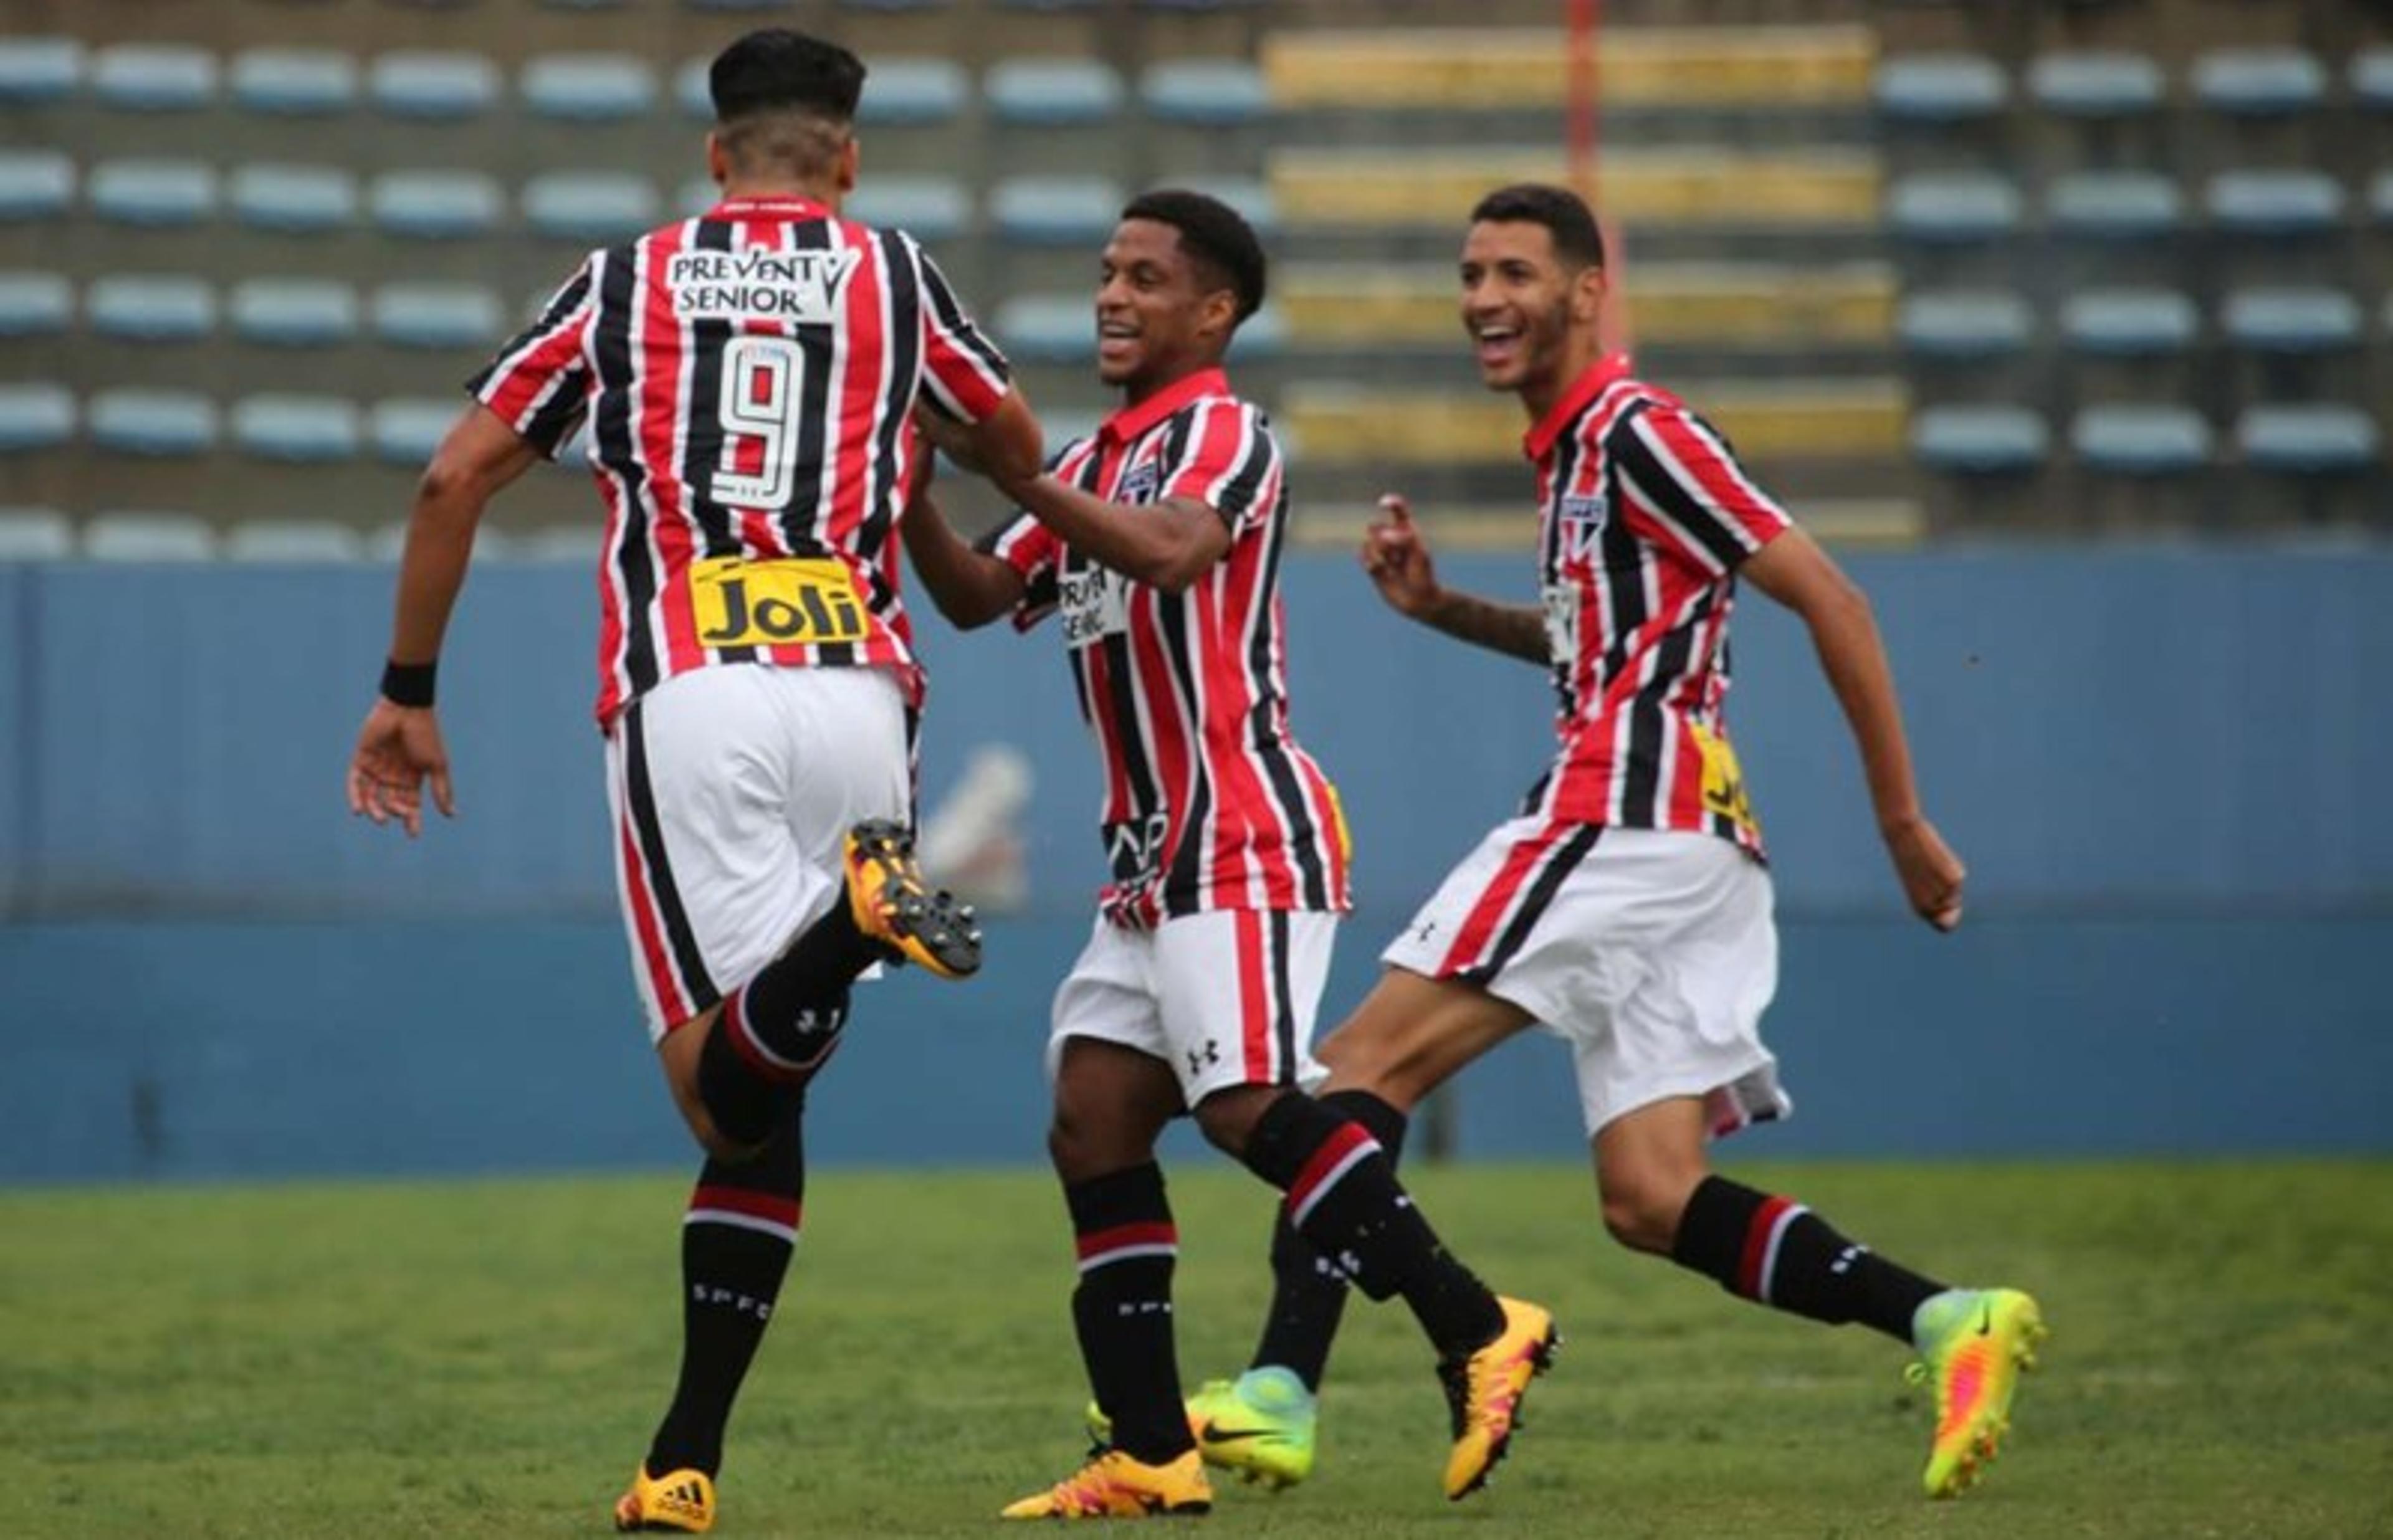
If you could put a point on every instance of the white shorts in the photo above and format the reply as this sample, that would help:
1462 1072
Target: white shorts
1651 953
733 790
1226 998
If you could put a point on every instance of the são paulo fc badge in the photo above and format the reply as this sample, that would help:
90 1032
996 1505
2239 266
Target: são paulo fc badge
1582 519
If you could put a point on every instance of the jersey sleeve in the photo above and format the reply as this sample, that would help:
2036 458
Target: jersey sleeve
962 369
538 384
1228 461
1033 551
1684 491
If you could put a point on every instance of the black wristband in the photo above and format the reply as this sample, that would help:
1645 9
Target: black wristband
409 684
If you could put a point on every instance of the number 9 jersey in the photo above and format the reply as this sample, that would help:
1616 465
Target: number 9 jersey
747 378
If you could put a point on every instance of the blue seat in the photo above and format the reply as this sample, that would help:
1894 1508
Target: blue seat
2307 439
1953 207
295 82
294 312
2380 198
2275 203
39 70
406 431
156 193
1964 325
34 184
1048 328
435 87
692 94
35 417
292 540
1211 92
2096 85
2116 205
161 425
2260 83
295 198
35 534
589 88
2141 439
1261 335
2372 80
737 4
929 208
437 315
148 536
1251 196
591 205
2292 320
310 430
1980 440
149 307
152 77
35 305
1056 211
2130 323
435 205
1053 92
1941 88
903 92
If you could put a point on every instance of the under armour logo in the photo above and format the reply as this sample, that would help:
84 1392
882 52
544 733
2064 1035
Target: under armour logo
1209 1053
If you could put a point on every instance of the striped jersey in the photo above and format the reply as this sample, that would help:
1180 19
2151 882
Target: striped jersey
747 377
1209 804
1644 515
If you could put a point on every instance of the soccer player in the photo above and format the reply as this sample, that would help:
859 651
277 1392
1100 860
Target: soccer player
1627 909
1157 541
748 378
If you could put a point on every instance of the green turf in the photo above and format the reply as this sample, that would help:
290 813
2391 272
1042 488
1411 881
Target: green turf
486 1358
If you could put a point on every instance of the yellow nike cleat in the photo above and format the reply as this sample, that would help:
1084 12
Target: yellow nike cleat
1972 1343
681 1500
1112 1485
1483 1393
895 906
1259 1425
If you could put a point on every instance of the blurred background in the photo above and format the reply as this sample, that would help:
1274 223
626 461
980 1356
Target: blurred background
2069 326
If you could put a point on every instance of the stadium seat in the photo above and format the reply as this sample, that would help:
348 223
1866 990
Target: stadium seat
1252 197
591 206
2372 80
2292 320
38 69
2258 82
1941 88
295 82
1055 211
153 423
894 6
35 305
1497 68
1383 188
929 208
2116 205
148 77
1980 440
742 6
1964 325
2275 203
405 431
1264 335
589 88
294 199
695 98
1210 93
1053 92
437 315
148 536
35 417
1349 424
2306 439
294 312
435 87
34 184
2141 439
905 92
35 534
1953 207
2095 84
302 429
154 193
435 205
1047 328
2380 198
150 308
2129 323
291 539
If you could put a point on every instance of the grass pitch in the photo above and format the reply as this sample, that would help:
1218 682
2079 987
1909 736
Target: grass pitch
487 1359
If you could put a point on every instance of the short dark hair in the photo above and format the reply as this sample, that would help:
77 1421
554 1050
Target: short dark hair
1564 213
776 70
1216 237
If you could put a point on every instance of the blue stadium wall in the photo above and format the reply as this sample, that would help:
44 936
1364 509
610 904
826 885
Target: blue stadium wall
2161 765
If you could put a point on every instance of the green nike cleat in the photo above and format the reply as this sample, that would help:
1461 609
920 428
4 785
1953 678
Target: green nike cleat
1972 1345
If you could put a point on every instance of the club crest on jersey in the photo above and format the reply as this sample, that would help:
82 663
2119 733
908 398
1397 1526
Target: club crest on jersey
754 283
1582 521
1140 483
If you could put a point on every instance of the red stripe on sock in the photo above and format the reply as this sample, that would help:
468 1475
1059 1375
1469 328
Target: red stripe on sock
1332 1154
742 1200
1096 1243
1756 1246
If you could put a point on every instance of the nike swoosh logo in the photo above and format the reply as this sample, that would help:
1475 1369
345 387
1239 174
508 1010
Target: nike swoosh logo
1215 1433
1986 1322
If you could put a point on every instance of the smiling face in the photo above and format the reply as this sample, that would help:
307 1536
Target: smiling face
1531 317
1158 318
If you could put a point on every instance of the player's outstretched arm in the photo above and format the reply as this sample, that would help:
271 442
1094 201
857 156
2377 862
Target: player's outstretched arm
972 588
1166 545
1795 571
1008 444
399 749
1396 556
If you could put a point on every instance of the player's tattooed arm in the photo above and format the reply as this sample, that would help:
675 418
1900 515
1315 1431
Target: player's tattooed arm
1396 556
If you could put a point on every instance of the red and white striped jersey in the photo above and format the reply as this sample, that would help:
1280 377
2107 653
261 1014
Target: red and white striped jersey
747 377
1209 804
1644 515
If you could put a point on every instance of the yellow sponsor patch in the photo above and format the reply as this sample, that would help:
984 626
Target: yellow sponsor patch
1724 778
808 600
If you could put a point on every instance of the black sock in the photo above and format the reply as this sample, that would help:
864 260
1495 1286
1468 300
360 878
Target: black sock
1307 1295
736 1241
1776 1252
776 1029
1344 1200
1121 1227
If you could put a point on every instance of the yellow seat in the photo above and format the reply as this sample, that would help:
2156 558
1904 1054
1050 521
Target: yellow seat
1391 188
1528 67
1889 523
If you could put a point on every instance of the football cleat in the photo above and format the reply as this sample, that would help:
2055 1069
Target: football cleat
1113 1485
1483 1393
1259 1425
895 906
1972 1343
680 1500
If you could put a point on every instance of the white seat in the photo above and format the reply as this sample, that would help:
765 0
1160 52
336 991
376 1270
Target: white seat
150 308
589 88
38 69
35 183
302 429
35 534
276 540
295 82
157 193
929 208
36 416
148 536
1250 195
35 305
1048 328
406 430
1053 92
437 315
1220 92
435 205
1056 211
152 77
591 205
294 198
294 312
436 86
909 91
158 424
